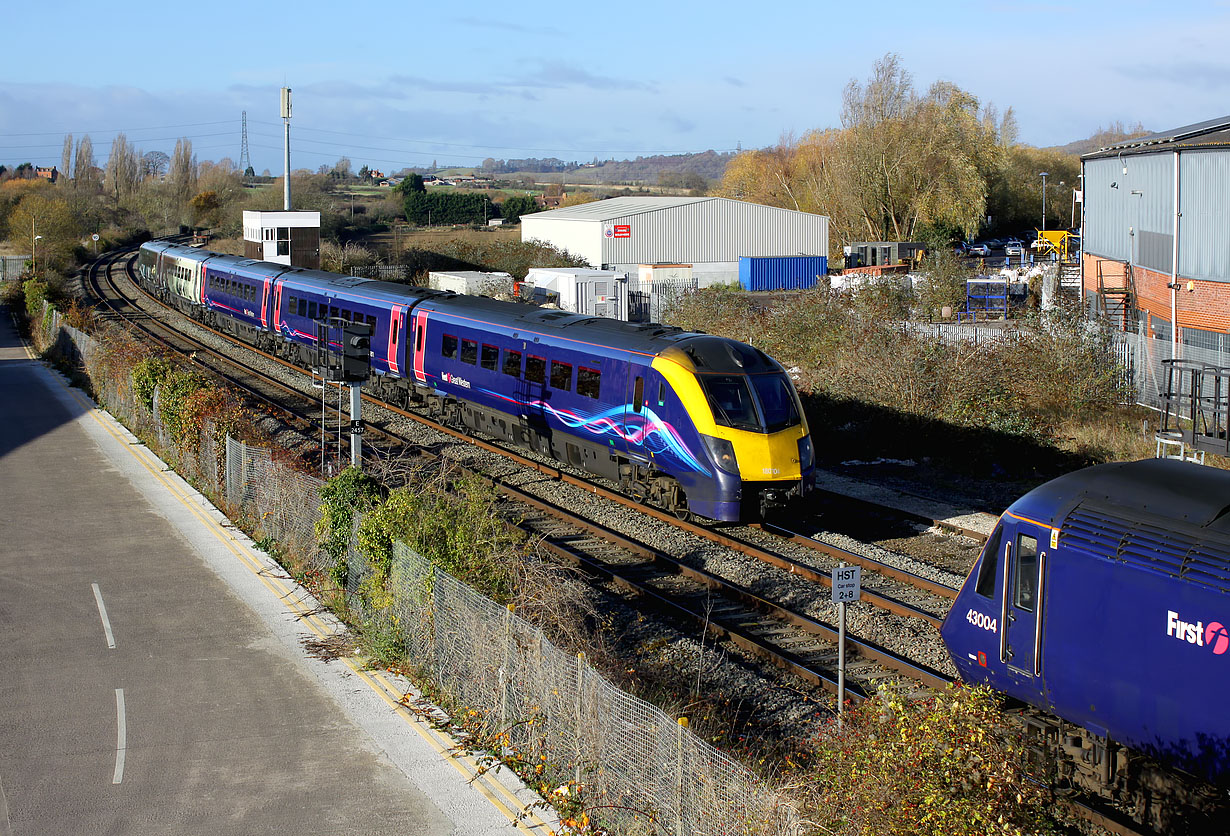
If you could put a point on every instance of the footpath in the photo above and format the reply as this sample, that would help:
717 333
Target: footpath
164 676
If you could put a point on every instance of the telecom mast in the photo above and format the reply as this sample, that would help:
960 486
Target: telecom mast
286 119
245 161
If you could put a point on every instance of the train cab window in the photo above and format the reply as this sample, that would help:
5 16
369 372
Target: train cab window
536 369
491 357
1026 582
448 346
469 352
776 398
561 376
588 381
985 585
661 393
512 363
731 401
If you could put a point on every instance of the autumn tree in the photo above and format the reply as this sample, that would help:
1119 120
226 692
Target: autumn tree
41 214
182 177
155 163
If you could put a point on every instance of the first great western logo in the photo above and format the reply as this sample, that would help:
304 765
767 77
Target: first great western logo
1212 635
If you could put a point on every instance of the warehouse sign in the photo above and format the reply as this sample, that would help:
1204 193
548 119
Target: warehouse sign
618 231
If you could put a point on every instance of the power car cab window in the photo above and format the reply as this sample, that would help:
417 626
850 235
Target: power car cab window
985 585
1026 582
731 401
776 398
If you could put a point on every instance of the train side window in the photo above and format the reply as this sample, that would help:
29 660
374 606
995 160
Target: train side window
333 312
588 382
311 310
561 376
1026 581
448 346
536 369
290 304
512 363
638 394
302 307
990 559
491 357
371 323
661 393
469 352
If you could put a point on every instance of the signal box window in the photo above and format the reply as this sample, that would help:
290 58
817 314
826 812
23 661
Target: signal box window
561 376
536 369
469 351
1026 573
448 346
491 357
512 363
588 381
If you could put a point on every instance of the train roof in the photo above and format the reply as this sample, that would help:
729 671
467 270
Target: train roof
1192 495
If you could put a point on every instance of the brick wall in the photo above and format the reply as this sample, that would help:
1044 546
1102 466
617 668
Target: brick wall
1206 307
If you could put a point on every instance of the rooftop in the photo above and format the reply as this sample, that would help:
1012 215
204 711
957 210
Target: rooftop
1210 133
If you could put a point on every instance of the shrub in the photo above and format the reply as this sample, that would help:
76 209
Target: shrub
947 766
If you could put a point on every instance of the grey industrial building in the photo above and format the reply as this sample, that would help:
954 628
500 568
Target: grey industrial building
709 233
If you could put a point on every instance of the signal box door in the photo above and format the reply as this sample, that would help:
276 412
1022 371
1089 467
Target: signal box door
1022 598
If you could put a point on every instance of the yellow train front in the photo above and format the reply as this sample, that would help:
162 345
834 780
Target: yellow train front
749 422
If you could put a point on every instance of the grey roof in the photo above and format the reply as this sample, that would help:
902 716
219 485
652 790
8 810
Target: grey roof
616 207
1211 132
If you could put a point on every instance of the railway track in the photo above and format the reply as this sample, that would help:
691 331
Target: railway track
783 636
787 638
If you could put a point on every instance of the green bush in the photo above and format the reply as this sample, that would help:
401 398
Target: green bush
945 766
348 492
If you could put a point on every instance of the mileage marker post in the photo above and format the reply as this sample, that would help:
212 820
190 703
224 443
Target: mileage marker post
847 587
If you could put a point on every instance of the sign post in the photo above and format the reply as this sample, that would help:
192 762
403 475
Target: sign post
847 587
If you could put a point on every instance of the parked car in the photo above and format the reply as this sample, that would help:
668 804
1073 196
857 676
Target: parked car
1013 247
977 249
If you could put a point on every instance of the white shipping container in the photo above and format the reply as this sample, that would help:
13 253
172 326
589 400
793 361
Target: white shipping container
473 283
595 292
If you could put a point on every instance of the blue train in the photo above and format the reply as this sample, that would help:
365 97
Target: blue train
1103 597
698 424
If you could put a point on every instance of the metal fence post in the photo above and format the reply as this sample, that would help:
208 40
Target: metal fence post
576 772
679 805
508 614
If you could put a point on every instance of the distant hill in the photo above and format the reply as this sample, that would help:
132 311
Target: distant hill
709 165
1103 137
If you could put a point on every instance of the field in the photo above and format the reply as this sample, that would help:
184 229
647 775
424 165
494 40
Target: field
431 238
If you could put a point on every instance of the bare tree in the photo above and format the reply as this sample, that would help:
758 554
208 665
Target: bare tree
155 163
66 158
182 178
123 169
83 168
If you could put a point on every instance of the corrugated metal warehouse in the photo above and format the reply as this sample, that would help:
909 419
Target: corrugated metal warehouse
710 233
1156 223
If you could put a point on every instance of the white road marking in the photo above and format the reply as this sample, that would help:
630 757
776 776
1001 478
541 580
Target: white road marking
121 736
102 611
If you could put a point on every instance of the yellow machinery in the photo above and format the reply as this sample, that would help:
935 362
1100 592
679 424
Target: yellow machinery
1056 241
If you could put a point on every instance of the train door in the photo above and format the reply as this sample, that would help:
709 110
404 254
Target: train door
1022 596
396 345
634 415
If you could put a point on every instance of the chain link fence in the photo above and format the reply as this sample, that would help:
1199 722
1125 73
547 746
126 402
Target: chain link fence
640 771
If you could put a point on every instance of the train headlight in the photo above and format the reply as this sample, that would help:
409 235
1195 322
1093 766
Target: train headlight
723 454
807 456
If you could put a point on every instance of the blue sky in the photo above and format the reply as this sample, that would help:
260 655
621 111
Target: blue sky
395 84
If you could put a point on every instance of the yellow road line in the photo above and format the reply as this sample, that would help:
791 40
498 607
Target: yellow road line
490 788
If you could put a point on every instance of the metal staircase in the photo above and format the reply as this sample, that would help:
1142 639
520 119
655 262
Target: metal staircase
1070 279
1117 295
1196 410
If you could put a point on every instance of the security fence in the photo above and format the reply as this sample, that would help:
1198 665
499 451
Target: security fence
639 771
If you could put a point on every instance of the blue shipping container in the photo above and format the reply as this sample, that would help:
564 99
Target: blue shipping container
781 272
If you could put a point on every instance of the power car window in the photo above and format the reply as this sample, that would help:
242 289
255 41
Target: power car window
1026 584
